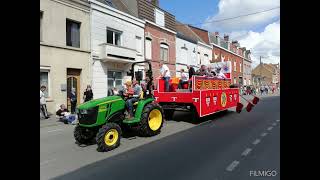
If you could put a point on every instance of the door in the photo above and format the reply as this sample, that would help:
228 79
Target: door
73 81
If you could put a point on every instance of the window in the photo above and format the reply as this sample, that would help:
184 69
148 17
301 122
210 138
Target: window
41 16
164 52
44 81
148 49
206 59
114 79
234 80
240 67
73 33
114 37
138 44
159 17
235 65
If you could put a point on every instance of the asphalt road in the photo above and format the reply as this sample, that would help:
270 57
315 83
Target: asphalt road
225 146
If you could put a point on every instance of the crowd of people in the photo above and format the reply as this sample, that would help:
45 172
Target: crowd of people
63 113
258 90
186 78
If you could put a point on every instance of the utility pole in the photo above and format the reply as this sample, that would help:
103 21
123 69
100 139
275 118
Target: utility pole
260 70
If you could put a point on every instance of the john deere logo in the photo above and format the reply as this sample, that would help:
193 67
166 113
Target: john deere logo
223 99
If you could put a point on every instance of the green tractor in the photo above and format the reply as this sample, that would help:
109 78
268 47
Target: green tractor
104 119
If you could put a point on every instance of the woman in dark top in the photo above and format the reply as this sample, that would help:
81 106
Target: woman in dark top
88 95
73 100
191 71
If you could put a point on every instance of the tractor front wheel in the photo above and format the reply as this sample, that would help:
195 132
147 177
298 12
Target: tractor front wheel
151 120
83 135
108 137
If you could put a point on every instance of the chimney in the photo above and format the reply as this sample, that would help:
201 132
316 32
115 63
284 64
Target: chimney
155 2
226 38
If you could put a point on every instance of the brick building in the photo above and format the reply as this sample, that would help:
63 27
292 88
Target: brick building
160 34
266 74
224 50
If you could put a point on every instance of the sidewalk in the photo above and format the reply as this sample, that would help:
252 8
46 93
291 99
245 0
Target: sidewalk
52 121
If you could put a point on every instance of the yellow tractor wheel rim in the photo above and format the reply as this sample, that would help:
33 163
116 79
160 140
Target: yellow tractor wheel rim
155 119
111 137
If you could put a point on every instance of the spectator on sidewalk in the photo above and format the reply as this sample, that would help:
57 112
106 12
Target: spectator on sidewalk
261 90
43 103
266 90
62 113
73 100
88 95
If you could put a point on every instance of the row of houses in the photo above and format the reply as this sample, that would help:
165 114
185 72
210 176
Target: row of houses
94 42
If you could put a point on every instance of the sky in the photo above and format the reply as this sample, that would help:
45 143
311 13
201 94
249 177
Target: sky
258 32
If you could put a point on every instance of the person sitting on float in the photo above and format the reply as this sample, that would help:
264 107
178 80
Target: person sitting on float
219 74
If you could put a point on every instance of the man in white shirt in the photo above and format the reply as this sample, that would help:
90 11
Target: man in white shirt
184 79
43 106
219 74
165 75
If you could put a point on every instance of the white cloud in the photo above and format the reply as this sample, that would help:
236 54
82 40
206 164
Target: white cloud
266 43
232 8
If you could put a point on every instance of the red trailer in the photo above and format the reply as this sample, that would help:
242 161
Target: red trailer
207 95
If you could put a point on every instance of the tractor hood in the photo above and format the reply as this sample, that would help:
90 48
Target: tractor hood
97 102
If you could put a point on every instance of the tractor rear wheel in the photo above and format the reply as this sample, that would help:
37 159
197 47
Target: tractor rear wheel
168 114
151 120
83 135
108 137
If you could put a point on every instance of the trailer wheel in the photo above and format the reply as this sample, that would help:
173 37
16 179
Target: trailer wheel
108 137
151 120
194 113
83 135
168 114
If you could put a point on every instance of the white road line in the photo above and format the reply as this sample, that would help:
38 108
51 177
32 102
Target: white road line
264 134
46 162
274 124
246 152
55 130
256 141
270 128
232 165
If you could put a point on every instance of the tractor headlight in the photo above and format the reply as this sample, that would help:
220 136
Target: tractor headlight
84 111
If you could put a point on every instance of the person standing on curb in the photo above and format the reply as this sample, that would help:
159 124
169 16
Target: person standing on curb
88 95
73 100
43 103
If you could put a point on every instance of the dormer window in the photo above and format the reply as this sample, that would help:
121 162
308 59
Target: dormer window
159 17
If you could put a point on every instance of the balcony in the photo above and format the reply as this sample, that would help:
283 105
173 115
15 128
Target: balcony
114 53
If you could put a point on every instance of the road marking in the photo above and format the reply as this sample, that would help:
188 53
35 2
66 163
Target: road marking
246 152
213 125
256 141
278 120
55 130
46 162
264 134
232 165
274 124
270 128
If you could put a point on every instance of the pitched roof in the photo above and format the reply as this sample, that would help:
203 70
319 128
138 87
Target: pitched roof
117 4
184 32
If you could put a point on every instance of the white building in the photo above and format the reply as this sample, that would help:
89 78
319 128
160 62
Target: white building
64 50
204 56
117 40
186 48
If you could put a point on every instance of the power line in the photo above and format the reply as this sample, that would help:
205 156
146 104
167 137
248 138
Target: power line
244 15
